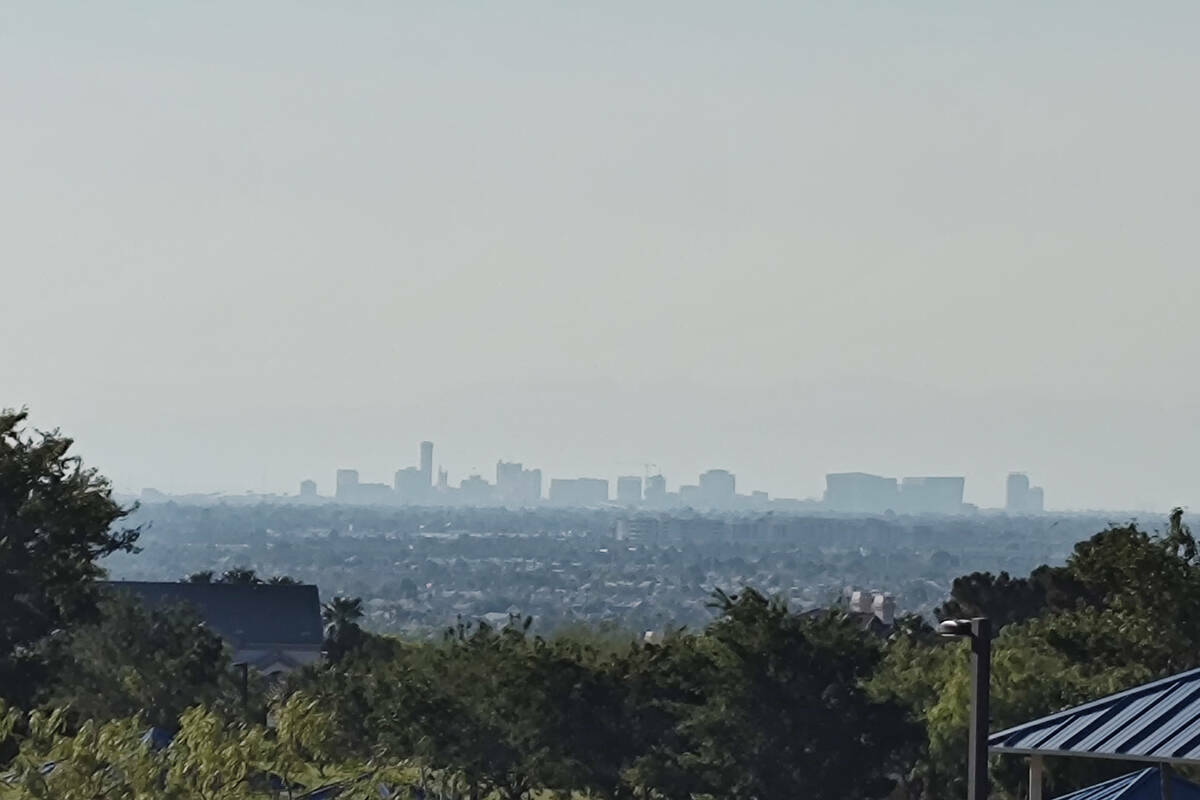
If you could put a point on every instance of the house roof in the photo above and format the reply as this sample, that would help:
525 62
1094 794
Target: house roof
1157 721
1145 784
242 614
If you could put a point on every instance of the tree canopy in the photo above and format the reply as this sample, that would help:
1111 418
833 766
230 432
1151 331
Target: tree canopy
57 519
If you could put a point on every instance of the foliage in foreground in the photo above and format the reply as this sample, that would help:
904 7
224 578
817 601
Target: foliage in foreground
762 703
57 518
210 757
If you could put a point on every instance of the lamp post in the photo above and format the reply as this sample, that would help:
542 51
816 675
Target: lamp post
979 632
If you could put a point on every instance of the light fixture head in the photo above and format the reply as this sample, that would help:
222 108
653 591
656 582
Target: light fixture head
954 627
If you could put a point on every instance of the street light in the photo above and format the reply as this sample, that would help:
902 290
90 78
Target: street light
979 631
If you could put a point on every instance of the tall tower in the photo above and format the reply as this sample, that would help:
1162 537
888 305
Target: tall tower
427 462
1016 493
347 483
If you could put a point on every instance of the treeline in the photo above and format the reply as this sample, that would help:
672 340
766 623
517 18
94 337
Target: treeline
103 698
762 703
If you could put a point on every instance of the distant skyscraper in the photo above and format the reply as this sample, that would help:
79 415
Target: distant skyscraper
373 493
656 490
1016 493
347 484
931 495
1020 497
443 482
717 488
474 490
533 485
517 486
1037 500
578 491
860 492
427 462
508 478
629 490
411 485
308 488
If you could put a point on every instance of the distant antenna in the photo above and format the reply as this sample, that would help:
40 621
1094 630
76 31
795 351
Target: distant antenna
648 468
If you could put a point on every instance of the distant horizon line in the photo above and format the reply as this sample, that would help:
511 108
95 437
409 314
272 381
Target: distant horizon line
281 498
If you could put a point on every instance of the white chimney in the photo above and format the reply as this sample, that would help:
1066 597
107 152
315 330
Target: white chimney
860 602
884 607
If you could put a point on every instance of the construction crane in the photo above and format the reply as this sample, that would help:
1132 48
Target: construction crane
648 468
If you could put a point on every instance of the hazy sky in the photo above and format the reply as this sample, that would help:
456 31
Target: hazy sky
247 243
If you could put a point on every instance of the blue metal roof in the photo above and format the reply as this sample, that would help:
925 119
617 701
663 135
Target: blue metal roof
1158 721
1143 785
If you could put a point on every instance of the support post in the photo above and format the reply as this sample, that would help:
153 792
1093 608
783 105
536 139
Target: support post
981 669
1164 774
1035 778
244 668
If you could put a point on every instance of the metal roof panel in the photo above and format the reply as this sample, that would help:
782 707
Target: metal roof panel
1158 721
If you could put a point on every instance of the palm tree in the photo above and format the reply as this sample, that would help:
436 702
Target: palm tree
342 612
240 575
342 633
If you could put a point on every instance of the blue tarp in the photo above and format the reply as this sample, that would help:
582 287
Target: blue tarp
1145 784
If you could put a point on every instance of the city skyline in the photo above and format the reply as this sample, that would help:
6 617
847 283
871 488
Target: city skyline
515 485
788 240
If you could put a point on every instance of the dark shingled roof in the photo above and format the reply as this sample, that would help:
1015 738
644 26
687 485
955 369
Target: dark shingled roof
242 614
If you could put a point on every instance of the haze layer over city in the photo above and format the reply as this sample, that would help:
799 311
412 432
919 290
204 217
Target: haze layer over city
785 241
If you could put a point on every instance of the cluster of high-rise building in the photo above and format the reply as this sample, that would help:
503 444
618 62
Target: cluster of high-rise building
410 485
1021 498
516 486
862 493
716 489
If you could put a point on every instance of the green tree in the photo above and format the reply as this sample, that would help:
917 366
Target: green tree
137 661
779 711
243 575
107 760
57 520
1123 610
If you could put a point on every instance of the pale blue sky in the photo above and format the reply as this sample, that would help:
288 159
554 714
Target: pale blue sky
278 238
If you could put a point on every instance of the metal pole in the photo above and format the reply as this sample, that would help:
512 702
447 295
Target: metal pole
1035 778
981 668
1164 774
245 683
